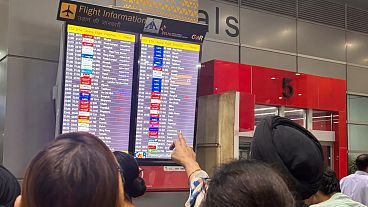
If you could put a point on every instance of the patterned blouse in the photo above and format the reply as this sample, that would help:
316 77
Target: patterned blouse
198 188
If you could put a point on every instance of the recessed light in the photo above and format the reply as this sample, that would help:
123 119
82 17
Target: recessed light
349 44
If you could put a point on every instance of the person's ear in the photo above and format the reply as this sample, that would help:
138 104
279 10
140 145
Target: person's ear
18 201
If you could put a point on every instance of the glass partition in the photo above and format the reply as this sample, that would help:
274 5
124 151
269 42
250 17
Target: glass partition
262 111
297 115
357 115
322 120
357 108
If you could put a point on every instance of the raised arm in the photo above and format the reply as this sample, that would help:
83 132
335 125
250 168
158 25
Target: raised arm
184 155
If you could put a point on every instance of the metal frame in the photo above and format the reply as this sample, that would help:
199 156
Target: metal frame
331 145
236 126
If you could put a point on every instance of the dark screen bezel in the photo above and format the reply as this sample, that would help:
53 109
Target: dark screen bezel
134 96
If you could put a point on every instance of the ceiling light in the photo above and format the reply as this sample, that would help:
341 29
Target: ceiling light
265 109
295 110
320 117
264 114
285 32
350 45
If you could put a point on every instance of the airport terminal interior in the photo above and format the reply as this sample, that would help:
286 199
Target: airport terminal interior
140 74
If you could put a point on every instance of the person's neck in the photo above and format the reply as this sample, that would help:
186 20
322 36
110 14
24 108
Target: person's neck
129 204
323 198
364 171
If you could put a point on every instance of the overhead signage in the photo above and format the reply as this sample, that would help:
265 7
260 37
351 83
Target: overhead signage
90 15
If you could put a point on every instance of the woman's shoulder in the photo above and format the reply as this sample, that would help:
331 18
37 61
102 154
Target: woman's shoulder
339 200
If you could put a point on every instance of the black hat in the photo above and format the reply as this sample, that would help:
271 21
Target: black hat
292 150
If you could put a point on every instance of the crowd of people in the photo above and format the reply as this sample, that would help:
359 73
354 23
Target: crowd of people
286 169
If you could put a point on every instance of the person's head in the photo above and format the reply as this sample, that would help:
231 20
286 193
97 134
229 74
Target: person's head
134 186
329 186
247 183
361 162
293 151
75 170
9 187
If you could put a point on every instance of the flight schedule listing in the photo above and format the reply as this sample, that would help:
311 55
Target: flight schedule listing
167 95
98 84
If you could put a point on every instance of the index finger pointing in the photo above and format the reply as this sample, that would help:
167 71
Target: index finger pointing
181 138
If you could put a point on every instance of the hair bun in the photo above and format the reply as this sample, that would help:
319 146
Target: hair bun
137 188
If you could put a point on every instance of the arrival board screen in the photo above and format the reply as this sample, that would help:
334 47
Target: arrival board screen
166 97
98 84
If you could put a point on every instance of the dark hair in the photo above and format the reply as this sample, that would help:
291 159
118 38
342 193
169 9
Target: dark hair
247 183
134 186
75 170
362 162
330 183
9 187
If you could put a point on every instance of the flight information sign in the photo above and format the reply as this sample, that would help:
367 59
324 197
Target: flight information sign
167 95
98 84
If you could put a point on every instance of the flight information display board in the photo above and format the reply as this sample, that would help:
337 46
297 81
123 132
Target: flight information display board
167 95
98 84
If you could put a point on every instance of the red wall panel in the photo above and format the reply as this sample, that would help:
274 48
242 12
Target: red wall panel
246 108
260 85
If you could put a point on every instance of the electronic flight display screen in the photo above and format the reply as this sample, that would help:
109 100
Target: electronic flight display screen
98 79
167 95
135 94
